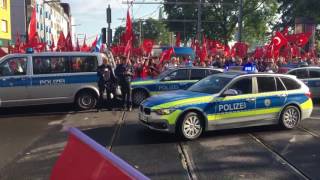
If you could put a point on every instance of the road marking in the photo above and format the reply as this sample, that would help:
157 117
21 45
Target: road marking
117 130
186 161
309 132
279 156
318 118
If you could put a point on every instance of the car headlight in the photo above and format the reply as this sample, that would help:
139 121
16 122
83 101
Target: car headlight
164 111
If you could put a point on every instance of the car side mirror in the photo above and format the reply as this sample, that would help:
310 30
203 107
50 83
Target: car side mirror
230 92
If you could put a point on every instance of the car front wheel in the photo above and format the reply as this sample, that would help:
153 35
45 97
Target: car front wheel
191 127
290 117
86 100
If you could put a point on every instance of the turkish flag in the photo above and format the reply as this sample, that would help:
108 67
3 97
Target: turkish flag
147 46
300 39
278 41
178 39
240 49
33 24
285 31
94 43
227 50
128 48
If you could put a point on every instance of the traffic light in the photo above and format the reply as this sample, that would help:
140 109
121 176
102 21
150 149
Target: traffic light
108 14
104 35
109 36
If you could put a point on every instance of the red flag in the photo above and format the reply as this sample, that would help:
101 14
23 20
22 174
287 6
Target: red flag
147 46
240 49
128 48
85 47
178 39
52 46
94 43
78 45
227 50
166 55
300 39
204 52
285 31
33 24
258 53
61 45
128 33
278 41
2 52
69 45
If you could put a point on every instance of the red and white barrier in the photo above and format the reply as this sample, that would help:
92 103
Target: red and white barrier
85 159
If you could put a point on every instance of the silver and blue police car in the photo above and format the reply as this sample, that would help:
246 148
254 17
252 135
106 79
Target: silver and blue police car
172 79
310 76
229 100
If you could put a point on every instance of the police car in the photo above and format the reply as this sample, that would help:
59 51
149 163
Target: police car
229 100
311 77
172 79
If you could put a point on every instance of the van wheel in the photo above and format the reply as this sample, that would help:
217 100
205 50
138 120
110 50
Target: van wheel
139 96
191 126
86 100
290 117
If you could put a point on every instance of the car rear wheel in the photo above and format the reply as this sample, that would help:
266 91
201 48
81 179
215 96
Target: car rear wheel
191 126
139 96
86 100
290 117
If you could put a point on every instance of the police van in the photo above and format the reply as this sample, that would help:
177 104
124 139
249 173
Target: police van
229 100
49 78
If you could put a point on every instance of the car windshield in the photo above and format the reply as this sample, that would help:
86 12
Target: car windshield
211 84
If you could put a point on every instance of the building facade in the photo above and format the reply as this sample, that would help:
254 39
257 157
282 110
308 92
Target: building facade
52 17
5 23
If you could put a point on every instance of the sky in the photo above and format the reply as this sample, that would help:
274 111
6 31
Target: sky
90 16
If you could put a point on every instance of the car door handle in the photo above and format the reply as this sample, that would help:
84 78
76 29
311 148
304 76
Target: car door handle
251 99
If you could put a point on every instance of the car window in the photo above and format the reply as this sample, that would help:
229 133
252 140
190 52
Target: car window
197 74
290 83
14 67
302 73
266 84
181 74
314 73
243 86
49 65
280 86
84 64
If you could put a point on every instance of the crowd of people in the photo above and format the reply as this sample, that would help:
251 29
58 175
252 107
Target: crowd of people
145 68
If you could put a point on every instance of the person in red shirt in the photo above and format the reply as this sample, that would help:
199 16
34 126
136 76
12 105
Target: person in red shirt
145 69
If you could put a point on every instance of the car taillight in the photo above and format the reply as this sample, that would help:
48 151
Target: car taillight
309 94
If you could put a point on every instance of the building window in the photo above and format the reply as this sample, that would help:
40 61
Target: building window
3 4
4 26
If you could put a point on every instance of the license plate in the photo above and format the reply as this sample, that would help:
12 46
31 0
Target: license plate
143 118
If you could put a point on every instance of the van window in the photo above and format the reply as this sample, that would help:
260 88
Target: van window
266 84
14 67
197 74
83 64
49 65
314 73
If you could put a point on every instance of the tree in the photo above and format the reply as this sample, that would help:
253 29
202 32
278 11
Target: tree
220 18
151 29
290 10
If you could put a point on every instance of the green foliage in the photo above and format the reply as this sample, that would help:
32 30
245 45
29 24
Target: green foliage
151 29
221 16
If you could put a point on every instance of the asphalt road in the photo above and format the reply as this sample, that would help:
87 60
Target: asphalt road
32 139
